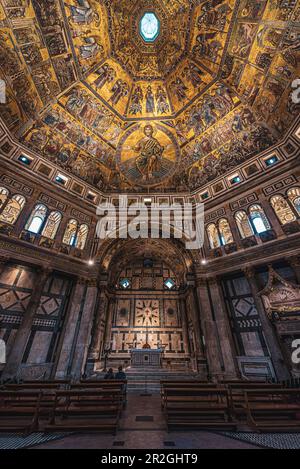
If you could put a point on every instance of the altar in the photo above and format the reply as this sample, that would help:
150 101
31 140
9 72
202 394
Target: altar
146 357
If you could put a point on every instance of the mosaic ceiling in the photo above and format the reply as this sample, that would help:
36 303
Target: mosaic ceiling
209 86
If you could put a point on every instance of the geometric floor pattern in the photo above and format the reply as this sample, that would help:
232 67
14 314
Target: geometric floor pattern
14 441
268 440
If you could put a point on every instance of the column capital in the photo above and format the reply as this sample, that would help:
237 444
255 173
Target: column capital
213 280
294 261
92 282
4 259
249 271
200 281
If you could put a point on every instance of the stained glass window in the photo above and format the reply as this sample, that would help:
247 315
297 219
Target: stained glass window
225 232
52 224
13 209
282 209
36 219
3 195
82 236
169 283
243 224
70 233
294 197
149 27
259 219
213 236
125 283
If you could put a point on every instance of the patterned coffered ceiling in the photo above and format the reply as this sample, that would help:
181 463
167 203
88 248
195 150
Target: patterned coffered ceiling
86 91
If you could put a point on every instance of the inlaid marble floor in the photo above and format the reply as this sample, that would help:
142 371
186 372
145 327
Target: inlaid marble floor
143 427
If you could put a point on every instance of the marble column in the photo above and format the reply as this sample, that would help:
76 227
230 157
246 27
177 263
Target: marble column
184 323
68 338
281 369
99 323
84 332
295 265
216 330
3 263
208 324
14 359
224 329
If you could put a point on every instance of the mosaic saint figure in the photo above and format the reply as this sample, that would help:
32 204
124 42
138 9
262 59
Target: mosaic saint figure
161 101
136 101
106 74
150 106
119 90
150 152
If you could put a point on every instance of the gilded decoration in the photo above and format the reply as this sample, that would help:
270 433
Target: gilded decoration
280 297
217 76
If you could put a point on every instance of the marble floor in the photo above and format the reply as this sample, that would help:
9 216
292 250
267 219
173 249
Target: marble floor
143 427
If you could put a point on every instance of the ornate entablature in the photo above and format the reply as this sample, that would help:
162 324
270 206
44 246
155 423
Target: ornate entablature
216 76
280 297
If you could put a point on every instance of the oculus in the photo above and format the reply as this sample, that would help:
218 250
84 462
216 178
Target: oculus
149 27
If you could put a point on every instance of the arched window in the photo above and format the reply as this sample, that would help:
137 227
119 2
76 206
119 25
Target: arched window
225 232
243 224
294 197
82 236
52 224
213 236
13 209
3 195
36 219
258 218
282 209
70 233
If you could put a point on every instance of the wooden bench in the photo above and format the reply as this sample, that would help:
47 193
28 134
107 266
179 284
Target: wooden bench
276 410
237 397
197 408
184 384
19 411
86 410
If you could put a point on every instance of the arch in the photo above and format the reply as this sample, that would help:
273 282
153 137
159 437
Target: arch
243 224
12 210
294 197
4 193
225 231
36 219
51 225
258 218
213 236
82 236
282 209
70 232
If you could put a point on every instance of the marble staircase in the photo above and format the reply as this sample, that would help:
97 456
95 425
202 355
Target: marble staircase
146 380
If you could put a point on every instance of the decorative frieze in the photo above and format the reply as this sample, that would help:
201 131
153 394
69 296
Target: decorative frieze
244 201
279 185
50 201
17 185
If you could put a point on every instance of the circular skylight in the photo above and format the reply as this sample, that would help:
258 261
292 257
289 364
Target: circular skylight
149 27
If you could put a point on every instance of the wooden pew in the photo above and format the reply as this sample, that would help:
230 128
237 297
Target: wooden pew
197 408
19 411
276 410
86 410
184 384
237 397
